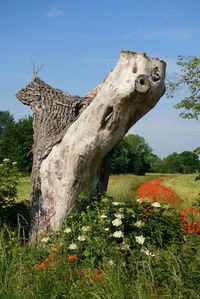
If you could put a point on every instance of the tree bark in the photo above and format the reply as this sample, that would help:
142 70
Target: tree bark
74 137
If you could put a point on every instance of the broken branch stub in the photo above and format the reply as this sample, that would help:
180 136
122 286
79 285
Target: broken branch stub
74 137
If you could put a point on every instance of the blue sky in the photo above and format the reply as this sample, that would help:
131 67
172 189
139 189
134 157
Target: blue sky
79 41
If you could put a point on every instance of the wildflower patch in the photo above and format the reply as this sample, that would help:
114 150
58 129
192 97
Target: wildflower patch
190 221
156 192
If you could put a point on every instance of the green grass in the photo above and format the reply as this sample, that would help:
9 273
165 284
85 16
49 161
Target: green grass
125 185
185 186
24 188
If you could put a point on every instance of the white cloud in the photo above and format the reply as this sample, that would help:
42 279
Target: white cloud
54 12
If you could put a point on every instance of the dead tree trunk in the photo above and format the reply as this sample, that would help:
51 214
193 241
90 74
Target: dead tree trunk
74 137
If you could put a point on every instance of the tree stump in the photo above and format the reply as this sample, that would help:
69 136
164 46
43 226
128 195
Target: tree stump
74 137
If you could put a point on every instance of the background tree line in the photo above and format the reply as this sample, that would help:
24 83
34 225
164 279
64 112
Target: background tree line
16 139
132 154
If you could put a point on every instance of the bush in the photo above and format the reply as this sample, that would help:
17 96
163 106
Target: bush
9 179
125 226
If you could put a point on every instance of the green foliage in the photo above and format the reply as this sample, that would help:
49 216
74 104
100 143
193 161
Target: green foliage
6 120
11 210
125 226
197 150
132 155
189 162
16 142
185 162
156 163
120 160
8 183
189 77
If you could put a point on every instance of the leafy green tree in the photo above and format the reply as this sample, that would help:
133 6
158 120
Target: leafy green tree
16 142
6 120
170 164
120 158
156 163
189 162
185 162
8 184
197 150
132 155
189 77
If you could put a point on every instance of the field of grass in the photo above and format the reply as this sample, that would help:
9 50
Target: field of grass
24 188
125 185
185 186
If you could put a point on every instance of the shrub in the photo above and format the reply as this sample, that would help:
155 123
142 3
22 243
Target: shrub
8 183
125 226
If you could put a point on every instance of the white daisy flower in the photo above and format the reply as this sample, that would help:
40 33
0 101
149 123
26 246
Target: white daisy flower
81 238
73 246
118 234
45 240
119 216
103 216
117 203
117 222
139 200
140 239
6 160
156 204
67 230
139 224
86 228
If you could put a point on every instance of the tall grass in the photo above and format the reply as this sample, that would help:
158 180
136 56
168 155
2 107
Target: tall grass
172 273
24 188
185 186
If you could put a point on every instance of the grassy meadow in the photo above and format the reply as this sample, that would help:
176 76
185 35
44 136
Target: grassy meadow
24 188
125 185
184 185
115 249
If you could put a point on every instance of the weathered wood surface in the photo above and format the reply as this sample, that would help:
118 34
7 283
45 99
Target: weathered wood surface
74 137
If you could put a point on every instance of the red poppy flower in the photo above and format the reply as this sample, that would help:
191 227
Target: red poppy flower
43 264
72 258
155 191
